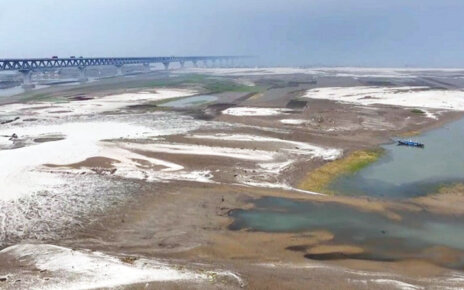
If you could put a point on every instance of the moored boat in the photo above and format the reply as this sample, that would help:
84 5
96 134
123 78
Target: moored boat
410 143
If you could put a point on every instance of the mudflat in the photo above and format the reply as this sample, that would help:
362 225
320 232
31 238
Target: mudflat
108 174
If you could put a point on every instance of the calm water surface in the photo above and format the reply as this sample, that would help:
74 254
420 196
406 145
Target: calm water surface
190 101
407 171
417 235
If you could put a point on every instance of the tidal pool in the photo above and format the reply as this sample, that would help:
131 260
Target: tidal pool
407 171
418 235
190 101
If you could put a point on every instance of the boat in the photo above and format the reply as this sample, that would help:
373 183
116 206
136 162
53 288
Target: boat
410 143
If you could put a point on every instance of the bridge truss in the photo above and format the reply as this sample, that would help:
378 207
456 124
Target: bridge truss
81 62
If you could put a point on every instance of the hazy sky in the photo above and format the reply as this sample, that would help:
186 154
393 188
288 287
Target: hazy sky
281 32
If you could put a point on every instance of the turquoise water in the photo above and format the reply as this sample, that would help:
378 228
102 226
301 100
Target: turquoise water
407 171
190 101
401 172
382 238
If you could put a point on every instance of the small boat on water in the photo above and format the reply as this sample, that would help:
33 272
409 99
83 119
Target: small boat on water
410 143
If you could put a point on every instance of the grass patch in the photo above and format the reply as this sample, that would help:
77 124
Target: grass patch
219 86
44 97
212 85
451 189
410 133
318 179
417 111
174 81
204 84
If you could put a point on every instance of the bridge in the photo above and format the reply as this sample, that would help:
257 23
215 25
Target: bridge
27 66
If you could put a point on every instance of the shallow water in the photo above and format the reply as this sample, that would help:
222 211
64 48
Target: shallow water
11 91
417 235
190 101
407 171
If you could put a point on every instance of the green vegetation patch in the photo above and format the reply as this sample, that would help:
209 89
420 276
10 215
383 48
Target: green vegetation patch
210 84
411 133
318 179
417 111
455 188
41 97
219 86
187 79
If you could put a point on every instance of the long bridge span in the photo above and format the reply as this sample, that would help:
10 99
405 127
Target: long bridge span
27 65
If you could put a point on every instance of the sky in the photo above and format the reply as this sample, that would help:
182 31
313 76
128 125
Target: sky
388 33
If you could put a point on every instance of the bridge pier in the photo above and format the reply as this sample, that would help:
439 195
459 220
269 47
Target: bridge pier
32 65
27 80
119 70
83 74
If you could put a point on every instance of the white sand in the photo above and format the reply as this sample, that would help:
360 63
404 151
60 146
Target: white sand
269 164
81 269
396 284
291 146
22 171
293 121
352 72
108 103
355 72
269 173
136 166
430 115
277 186
257 155
275 167
414 97
249 111
19 168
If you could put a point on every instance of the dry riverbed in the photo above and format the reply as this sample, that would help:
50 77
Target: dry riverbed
100 181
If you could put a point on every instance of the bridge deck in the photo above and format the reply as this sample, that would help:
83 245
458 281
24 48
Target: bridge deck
81 62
